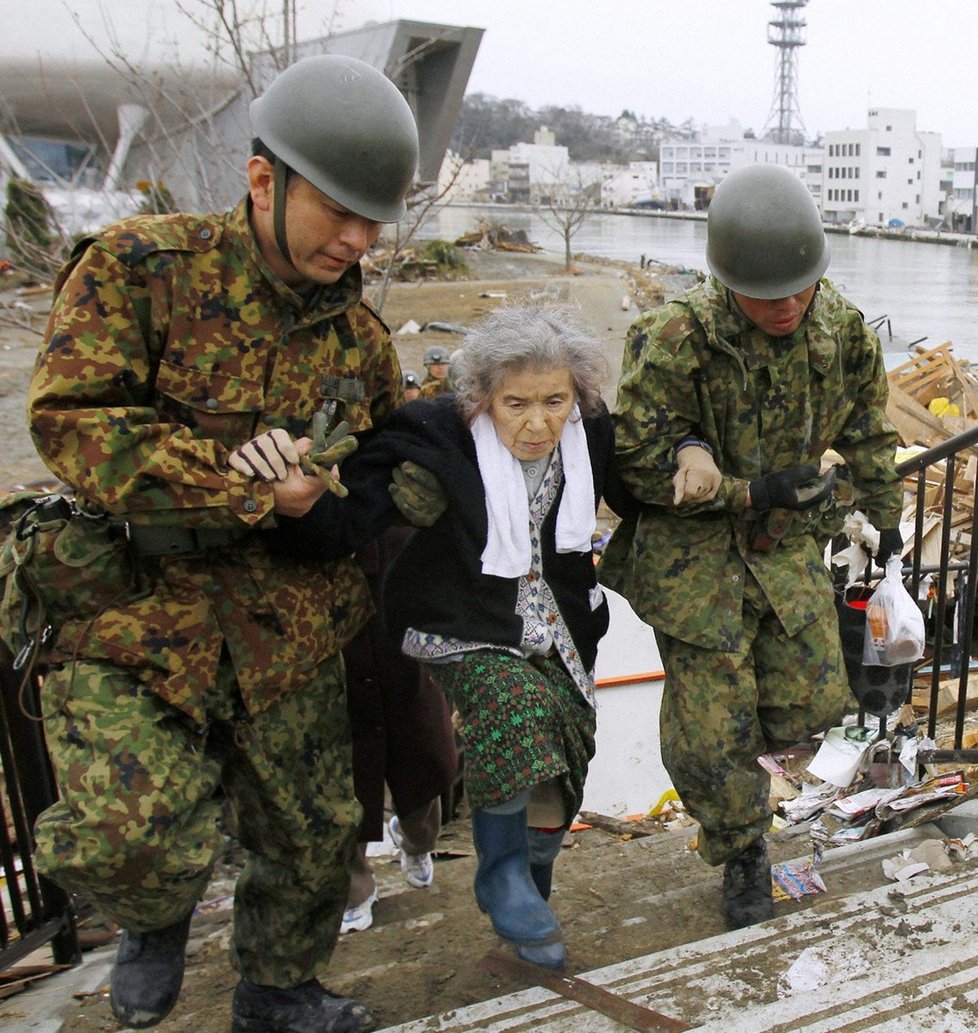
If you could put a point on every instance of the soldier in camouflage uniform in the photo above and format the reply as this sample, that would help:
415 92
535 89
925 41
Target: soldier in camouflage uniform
728 398
186 357
435 382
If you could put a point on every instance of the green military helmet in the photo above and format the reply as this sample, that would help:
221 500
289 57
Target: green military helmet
764 234
344 126
435 355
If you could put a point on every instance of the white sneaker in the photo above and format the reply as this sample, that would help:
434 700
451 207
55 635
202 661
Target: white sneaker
418 869
356 919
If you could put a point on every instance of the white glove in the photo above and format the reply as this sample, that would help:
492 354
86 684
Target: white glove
698 477
267 457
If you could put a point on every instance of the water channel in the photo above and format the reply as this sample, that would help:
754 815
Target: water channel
926 290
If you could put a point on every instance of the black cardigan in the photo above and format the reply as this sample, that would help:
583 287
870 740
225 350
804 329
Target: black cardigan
436 584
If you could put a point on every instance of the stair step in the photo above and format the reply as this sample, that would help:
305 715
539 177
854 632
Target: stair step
891 958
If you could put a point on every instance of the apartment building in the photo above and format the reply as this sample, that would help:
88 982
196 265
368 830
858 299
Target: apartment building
886 174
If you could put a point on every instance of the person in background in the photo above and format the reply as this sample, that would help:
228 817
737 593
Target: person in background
185 356
436 361
402 738
454 362
411 385
728 398
511 615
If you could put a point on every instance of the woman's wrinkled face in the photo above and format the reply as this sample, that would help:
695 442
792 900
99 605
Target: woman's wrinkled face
530 409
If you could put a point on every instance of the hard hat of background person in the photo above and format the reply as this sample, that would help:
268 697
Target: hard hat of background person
345 127
764 235
410 379
435 355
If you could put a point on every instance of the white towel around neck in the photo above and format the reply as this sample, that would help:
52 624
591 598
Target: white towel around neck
507 551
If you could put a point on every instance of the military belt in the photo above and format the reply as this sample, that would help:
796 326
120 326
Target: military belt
149 540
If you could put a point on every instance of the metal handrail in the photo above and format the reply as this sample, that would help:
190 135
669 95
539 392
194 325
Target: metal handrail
37 912
964 571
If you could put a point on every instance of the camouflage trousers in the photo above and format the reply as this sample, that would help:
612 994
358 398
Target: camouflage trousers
136 829
722 710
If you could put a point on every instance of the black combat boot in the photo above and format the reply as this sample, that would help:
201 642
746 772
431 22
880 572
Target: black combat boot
306 1008
747 887
148 973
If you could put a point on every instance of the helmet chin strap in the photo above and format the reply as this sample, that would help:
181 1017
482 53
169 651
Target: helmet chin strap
278 212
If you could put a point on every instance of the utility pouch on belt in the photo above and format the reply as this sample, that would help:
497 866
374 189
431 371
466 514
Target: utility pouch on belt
59 561
770 529
824 520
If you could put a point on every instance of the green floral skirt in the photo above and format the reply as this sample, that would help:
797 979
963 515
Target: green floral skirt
522 722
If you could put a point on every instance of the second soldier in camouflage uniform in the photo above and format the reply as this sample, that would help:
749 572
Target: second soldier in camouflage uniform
185 355
766 366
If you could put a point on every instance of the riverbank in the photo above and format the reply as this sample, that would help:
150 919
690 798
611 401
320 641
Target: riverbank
909 234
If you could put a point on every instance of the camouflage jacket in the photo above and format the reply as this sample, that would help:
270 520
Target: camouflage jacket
171 342
698 366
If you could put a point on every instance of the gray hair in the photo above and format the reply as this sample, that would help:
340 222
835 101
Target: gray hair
539 332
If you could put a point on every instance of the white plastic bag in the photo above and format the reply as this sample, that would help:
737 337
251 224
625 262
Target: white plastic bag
894 623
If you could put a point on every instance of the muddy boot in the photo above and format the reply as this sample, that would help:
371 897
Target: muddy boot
306 1008
544 848
507 893
148 973
747 896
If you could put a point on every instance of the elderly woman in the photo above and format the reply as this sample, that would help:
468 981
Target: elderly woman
497 597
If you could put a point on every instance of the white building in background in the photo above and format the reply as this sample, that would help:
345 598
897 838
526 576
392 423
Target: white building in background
691 169
534 168
887 172
961 206
460 180
634 184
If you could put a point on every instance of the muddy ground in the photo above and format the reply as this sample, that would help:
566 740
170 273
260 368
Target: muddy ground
621 891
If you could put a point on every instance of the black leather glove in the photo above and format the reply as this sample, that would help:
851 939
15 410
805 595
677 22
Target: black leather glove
891 544
799 487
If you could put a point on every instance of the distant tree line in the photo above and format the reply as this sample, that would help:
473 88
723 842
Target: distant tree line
486 124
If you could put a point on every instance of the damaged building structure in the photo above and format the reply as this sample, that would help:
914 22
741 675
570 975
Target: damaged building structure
87 131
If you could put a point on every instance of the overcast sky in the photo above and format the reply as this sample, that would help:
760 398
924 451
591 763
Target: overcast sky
708 60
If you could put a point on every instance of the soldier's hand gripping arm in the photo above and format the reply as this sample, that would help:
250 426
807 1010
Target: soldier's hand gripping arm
698 477
799 487
417 493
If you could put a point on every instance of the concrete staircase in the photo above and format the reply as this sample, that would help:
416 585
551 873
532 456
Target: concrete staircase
891 958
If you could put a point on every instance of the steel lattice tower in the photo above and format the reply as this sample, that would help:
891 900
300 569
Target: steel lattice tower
786 32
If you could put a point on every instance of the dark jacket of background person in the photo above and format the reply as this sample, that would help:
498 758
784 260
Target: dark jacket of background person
400 722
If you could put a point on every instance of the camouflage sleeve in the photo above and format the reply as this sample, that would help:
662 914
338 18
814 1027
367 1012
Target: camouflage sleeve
868 440
91 413
381 367
658 405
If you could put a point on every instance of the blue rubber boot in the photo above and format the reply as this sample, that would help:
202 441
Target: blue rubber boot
505 890
544 848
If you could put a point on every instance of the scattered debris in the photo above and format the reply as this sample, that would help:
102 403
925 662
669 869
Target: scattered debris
13 980
491 236
929 856
794 880
824 963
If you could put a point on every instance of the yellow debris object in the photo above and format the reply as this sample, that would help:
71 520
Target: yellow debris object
941 406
